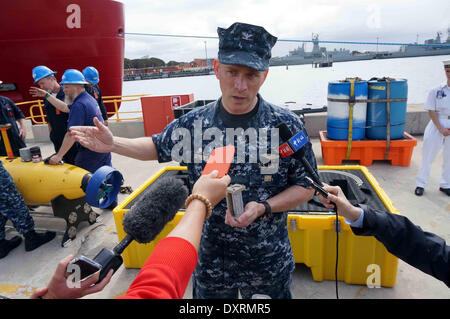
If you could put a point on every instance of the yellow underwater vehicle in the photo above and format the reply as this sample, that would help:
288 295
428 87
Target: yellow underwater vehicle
70 190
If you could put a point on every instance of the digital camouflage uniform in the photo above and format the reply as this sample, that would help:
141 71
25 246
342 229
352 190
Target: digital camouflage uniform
256 259
259 254
12 205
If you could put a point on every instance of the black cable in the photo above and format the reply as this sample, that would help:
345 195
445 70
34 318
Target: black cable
337 255
290 40
318 186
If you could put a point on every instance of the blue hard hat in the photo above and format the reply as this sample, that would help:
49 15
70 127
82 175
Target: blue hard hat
40 72
72 76
91 75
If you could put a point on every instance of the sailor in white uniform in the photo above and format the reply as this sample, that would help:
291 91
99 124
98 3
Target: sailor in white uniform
436 136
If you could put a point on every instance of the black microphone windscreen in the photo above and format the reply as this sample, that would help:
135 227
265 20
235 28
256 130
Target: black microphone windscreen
158 205
284 131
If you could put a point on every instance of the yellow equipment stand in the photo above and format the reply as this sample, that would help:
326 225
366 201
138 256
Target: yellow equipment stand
313 240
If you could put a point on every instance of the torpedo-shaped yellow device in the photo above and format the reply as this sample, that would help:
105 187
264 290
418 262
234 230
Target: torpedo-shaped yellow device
39 183
68 189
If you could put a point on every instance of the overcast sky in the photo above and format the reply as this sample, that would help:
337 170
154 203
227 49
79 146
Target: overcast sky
339 20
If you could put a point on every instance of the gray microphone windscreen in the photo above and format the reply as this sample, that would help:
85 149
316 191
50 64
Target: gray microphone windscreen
158 205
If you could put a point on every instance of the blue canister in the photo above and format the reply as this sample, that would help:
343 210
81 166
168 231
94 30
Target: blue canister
338 112
377 112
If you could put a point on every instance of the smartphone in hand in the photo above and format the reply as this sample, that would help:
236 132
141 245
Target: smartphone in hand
86 266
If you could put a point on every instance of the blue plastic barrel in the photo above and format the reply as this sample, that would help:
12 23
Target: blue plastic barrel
338 112
376 112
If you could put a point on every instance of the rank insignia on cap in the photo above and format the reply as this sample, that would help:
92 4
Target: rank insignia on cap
245 44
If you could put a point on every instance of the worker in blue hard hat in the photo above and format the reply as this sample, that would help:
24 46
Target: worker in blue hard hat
40 72
91 75
83 109
53 95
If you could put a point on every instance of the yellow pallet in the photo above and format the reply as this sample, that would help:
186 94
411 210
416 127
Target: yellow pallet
312 237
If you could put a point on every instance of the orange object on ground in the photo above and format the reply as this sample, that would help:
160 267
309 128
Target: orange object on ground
366 151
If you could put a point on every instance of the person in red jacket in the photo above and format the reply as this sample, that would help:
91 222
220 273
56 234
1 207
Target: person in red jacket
166 273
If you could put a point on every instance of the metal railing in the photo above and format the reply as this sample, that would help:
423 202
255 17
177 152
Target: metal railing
115 100
38 116
35 104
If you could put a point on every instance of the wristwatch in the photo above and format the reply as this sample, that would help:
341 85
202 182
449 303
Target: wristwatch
268 211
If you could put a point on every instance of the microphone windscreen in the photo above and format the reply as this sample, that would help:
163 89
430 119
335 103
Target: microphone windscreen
158 205
284 131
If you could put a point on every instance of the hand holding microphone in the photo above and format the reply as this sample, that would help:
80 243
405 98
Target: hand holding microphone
143 222
336 198
293 146
146 219
58 288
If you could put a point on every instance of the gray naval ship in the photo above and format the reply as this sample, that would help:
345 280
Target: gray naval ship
415 50
320 55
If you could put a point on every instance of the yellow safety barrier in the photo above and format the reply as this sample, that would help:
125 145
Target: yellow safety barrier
35 105
121 99
38 116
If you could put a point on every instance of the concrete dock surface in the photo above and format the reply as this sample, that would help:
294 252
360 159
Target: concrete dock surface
21 272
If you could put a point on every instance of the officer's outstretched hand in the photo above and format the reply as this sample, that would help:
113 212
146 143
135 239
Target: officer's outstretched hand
97 138
251 211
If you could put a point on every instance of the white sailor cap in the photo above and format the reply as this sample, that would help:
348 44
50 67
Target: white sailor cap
446 64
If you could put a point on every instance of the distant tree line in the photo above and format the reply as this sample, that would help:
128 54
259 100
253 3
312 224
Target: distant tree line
147 63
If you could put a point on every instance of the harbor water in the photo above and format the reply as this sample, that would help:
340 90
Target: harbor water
302 83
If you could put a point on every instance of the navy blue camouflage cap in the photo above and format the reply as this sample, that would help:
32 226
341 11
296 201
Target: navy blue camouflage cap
245 44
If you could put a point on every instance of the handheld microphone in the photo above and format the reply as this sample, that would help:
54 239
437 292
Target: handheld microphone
293 146
145 220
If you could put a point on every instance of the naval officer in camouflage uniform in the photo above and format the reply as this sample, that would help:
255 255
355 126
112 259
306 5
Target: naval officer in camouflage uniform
250 254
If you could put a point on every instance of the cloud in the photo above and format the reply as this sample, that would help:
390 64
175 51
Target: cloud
344 20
